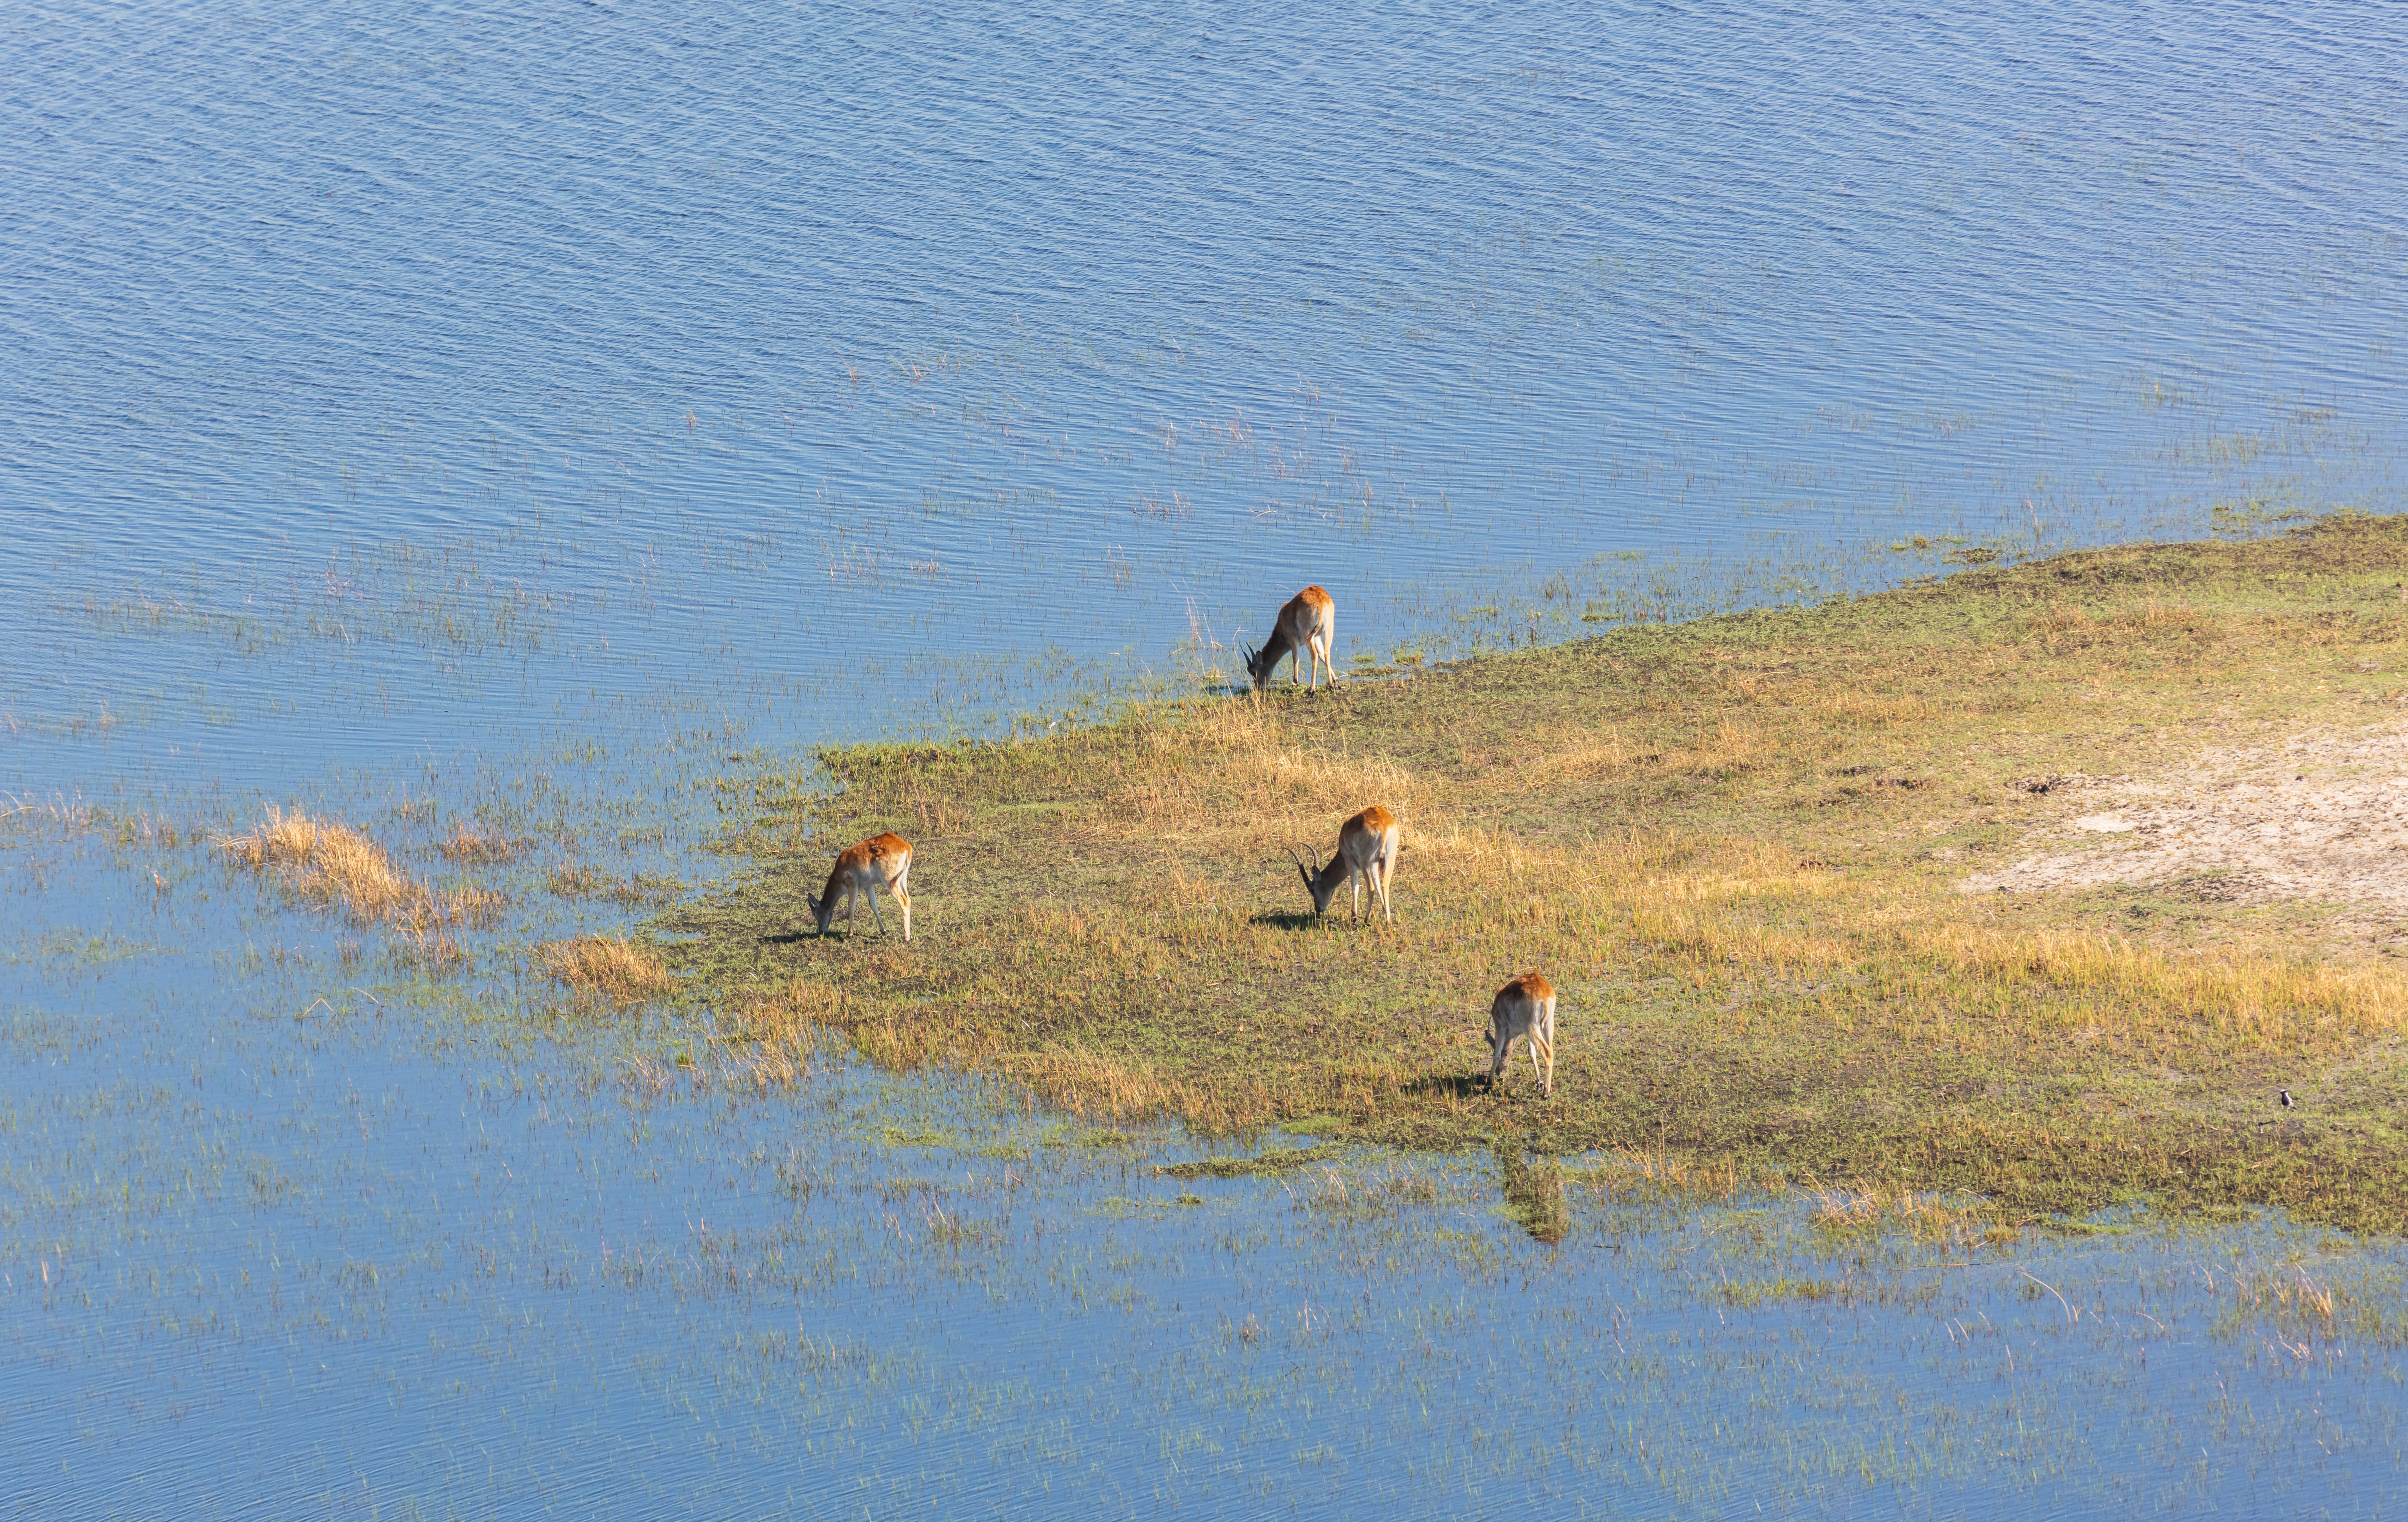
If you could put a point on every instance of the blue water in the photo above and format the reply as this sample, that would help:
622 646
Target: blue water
261 1254
413 413
928 365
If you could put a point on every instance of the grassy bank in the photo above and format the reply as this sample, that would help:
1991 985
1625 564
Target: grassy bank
1736 846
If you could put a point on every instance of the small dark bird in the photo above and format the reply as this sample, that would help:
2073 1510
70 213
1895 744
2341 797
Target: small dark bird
2285 1095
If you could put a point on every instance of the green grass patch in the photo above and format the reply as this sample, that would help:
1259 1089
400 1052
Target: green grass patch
1782 1291
1272 1164
935 1138
1314 1124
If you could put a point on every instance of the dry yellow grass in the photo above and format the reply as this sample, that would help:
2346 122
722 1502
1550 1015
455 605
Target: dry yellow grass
610 966
333 865
330 865
1867 1206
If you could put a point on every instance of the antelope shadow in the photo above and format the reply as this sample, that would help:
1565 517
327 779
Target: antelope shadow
1449 1085
1285 919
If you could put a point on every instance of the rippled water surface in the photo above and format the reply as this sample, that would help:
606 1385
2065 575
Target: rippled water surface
417 412
923 364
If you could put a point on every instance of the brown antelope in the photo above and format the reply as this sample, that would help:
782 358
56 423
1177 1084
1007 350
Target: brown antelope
1524 1007
1367 847
880 861
1305 625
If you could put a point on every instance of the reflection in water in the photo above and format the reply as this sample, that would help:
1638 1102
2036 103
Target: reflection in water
1533 1193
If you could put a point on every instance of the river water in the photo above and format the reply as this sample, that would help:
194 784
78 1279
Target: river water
447 411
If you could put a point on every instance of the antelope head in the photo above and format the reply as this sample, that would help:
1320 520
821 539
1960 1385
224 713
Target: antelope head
1318 881
1258 666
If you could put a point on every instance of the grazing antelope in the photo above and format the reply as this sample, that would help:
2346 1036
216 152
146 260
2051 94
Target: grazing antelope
1524 1007
1367 847
1305 625
861 871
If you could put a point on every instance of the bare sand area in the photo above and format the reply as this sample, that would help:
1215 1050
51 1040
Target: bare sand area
2318 815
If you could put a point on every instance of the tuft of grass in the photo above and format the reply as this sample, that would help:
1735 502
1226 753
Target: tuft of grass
331 866
473 847
1867 1209
2294 1305
1785 1290
1736 846
328 864
1645 1175
645 889
610 968
1361 1196
1272 1164
1313 1126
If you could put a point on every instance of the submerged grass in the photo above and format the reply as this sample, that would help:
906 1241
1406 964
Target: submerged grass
471 846
2289 1301
1272 1164
1735 845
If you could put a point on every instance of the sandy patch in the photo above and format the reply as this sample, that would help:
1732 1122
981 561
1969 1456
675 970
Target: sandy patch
2320 816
